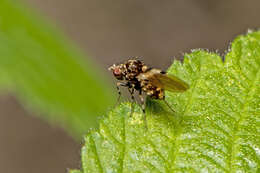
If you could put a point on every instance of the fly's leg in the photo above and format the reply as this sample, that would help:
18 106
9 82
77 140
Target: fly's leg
118 84
143 107
168 105
131 91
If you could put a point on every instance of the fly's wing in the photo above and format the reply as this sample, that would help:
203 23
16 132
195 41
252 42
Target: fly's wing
169 82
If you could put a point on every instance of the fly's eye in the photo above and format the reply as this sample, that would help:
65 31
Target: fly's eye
117 71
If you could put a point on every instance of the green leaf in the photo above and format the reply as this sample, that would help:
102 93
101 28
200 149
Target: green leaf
215 127
46 72
74 171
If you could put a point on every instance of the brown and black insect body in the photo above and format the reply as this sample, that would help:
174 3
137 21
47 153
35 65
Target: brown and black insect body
136 76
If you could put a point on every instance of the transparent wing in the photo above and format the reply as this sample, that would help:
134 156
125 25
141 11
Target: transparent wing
169 82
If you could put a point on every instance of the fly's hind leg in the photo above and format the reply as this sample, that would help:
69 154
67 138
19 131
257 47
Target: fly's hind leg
143 107
168 105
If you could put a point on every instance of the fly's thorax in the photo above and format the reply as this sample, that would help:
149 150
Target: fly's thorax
133 69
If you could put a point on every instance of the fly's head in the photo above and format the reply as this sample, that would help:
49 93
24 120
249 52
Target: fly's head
118 71
129 70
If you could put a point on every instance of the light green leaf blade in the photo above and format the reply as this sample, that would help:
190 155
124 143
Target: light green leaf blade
215 127
74 171
47 73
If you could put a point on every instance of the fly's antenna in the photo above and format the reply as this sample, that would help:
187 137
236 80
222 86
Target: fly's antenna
168 106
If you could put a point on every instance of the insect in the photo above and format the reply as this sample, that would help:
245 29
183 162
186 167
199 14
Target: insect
136 76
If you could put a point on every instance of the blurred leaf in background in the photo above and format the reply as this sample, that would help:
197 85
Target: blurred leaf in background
215 127
47 73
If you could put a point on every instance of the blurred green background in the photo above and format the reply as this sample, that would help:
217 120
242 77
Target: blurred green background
106 32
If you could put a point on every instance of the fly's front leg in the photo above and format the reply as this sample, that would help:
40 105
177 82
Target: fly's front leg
118 84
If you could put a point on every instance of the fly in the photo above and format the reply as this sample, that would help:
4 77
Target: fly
136 76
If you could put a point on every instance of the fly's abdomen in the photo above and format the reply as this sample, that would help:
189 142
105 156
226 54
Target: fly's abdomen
152 91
